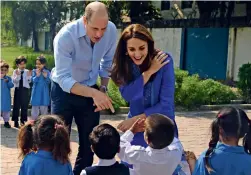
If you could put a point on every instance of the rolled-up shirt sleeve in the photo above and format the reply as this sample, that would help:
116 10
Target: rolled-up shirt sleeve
63 48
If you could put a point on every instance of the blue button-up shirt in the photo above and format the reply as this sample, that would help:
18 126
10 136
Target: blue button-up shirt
76 60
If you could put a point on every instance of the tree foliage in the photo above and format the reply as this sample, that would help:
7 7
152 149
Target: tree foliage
8 34
142 11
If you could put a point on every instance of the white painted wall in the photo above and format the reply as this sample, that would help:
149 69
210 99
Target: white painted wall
242 49
41 41
169 39
27 43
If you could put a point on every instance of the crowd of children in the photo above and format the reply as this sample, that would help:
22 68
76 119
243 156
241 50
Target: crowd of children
21 80
45 146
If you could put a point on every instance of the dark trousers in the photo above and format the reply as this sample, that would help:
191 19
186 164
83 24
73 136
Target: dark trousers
21 100
81 108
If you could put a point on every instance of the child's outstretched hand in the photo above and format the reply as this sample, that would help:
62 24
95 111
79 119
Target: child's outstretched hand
138 126
191 159
29 73
38 72
45 74
17 72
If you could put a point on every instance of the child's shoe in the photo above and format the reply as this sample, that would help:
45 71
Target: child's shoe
16 124
7 125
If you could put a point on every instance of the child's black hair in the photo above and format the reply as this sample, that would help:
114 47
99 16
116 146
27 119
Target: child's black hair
20 59
234 123
4 65
49 133
159 130
41 59
105 141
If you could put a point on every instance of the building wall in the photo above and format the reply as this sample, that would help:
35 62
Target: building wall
169 40
41 41
241 53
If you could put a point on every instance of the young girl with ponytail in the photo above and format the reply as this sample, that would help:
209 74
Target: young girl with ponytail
45 147
224 155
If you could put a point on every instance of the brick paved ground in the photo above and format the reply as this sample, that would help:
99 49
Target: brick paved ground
193 130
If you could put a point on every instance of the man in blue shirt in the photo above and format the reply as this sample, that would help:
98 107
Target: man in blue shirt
83 50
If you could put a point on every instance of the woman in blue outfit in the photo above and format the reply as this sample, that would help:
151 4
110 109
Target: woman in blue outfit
145 77
224 156
6 85
40 97
45 147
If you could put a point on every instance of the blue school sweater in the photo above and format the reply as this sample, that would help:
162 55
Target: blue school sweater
225 160
40 90
43 163
5 94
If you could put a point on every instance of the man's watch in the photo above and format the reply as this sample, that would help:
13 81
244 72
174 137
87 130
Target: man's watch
103 88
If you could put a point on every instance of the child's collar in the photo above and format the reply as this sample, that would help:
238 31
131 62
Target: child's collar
21 69
106 162
229 148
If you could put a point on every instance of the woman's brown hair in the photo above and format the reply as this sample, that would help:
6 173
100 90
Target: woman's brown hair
121 69
47 133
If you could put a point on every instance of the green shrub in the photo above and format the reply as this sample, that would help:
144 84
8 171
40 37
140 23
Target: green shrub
31 61
244 83
216 93
190 92
113 92
179 76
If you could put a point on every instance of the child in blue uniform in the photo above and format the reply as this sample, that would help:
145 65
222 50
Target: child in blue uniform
224 156
45 146
105 144
6 85
40 98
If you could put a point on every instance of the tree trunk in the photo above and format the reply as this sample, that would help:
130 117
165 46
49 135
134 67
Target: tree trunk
34 34
35 41
222 13
53 34
248 11
230 11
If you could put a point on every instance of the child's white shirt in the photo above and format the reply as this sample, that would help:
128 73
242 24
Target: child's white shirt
149 161
26 79
101 162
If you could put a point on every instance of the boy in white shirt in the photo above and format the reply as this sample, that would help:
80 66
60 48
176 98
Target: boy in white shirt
21 79
164 153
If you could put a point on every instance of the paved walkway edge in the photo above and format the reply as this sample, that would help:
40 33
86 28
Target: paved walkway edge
125 110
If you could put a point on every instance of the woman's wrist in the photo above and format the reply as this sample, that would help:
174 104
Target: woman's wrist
143 115
148 73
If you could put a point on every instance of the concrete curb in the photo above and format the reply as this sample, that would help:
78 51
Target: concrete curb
125 110
218 107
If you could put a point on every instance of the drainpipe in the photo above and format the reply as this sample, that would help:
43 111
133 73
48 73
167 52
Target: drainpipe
233 53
